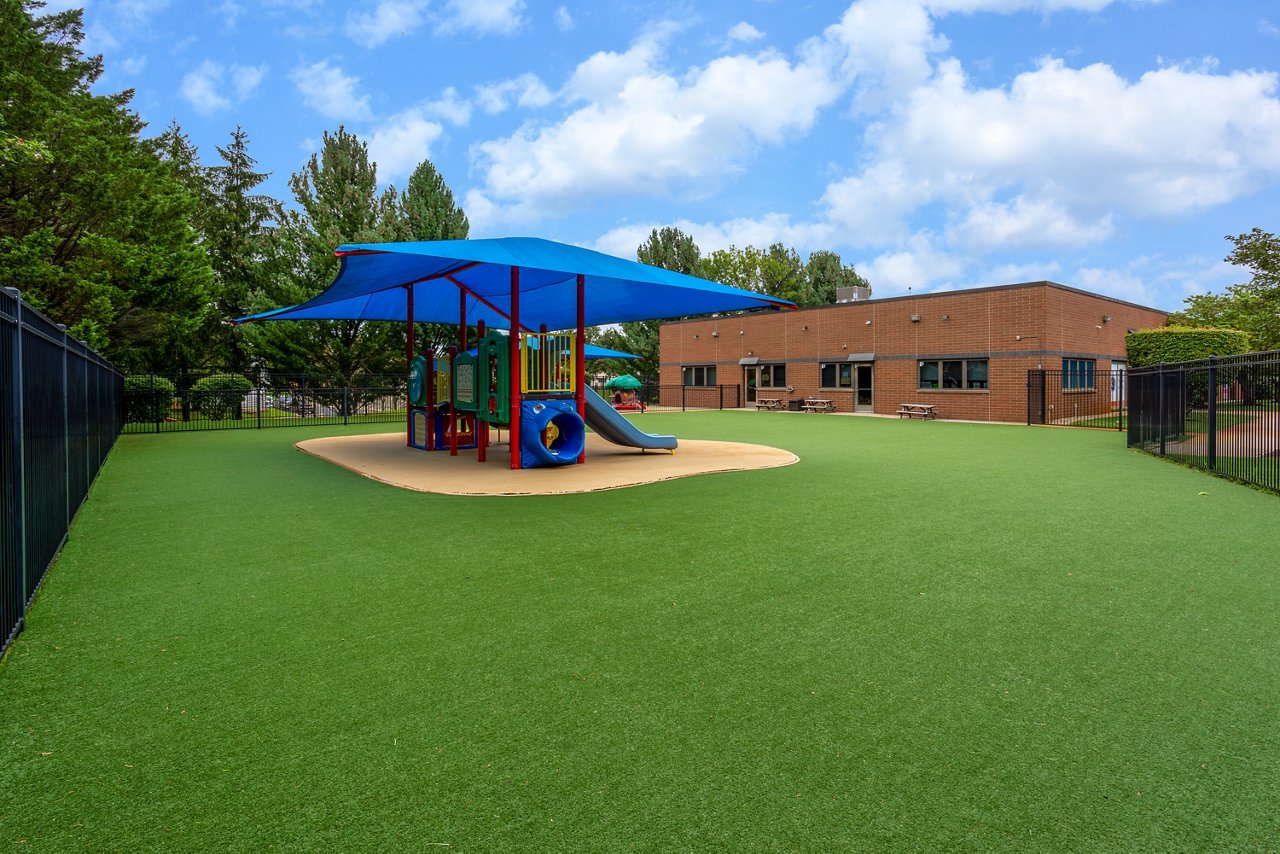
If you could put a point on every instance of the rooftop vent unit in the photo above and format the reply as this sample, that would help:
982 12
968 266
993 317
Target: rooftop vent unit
854 294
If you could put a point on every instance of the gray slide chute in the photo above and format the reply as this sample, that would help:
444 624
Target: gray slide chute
609 423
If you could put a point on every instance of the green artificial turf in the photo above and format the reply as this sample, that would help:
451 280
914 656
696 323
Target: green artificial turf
922 636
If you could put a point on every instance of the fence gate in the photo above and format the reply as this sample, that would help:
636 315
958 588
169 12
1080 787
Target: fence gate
1081 397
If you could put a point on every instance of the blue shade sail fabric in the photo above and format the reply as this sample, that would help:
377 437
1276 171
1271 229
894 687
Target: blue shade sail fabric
371 286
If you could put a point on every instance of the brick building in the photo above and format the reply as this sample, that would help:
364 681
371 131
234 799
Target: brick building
966 352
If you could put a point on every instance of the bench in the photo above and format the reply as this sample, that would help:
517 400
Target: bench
817 404
770 403
916 410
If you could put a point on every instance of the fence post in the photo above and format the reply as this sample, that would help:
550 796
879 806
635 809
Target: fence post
683 389
20 454
151 387
66 430
258 396
1213 412
345 403
1163 414
721 390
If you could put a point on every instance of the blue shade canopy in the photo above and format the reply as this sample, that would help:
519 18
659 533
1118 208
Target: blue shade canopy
371 285
593 351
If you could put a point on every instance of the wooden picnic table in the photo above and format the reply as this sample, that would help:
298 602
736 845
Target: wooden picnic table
916 410
770 403
818 404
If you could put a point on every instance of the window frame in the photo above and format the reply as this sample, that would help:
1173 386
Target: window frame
940 370
706 371
772 369
1079 375
843 383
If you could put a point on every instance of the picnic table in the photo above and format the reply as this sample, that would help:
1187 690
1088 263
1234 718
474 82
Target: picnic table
916 410
770 403
818 404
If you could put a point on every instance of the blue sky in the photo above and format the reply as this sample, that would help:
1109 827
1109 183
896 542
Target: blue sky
935 144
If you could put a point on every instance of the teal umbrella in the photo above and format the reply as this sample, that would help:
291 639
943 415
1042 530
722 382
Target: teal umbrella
626 381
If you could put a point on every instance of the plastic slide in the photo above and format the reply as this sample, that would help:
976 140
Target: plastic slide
611 426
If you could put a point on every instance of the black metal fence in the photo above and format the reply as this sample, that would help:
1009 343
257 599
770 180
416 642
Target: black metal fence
675 398
1220 415
214 400
60 414
1080 398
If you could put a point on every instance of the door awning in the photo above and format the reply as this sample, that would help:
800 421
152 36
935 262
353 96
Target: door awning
861 357
749 360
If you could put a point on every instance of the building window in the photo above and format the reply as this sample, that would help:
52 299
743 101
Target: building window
699 375
954 374
773 376
837 375
1077 374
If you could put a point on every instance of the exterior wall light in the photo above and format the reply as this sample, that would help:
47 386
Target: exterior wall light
1106 318
915 318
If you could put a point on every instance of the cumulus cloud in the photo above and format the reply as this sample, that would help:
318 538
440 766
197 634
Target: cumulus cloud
403 141
527 90
642 129
744 32
917 266
330 92
486 17
450 107
213 87
385 20
564 21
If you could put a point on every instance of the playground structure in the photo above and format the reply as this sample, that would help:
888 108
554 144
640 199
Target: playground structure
530 383
456 406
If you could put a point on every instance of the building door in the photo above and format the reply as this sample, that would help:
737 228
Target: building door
751 381
862 399
1117 385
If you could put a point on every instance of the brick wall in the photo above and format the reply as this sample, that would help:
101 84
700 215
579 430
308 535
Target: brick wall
1013 327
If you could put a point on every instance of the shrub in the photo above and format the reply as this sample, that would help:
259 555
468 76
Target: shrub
147 398
1182 344
219 397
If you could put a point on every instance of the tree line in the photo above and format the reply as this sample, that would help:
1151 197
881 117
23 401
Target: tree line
147 253
777 271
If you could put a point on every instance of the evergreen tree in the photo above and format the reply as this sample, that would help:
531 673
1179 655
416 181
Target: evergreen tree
94 228
337 203
238 226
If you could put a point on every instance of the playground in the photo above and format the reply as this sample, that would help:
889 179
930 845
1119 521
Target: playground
923 635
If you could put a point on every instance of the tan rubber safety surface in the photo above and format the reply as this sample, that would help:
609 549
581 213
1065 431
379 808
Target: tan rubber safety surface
384 457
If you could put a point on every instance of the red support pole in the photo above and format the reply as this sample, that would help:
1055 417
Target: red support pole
480 427
408 365
513 429
580 348
431 398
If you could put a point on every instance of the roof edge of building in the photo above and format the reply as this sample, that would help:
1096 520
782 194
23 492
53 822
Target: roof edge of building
1043 283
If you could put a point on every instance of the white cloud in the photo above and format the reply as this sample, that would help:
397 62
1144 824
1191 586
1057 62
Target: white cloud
918 267
645 131
387 19
744 32
211 87
526 91
403 141
1026 224
230 11
1069 146
450 107
327 90
133 64
1267 28
486 17
563 19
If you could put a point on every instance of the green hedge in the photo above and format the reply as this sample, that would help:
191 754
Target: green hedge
219 397
1182 344
147 398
